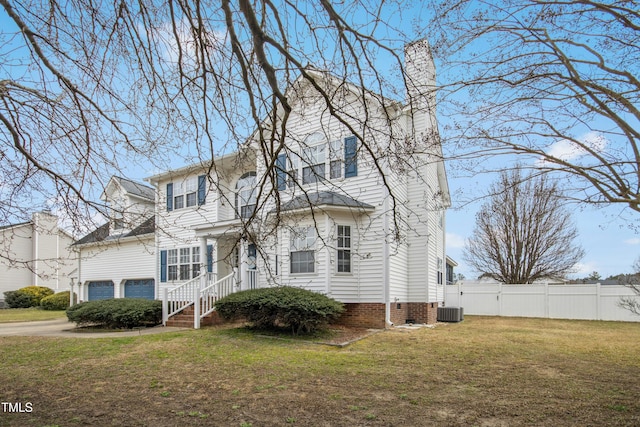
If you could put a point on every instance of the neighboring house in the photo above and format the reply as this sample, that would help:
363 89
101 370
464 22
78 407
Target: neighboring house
333 227
118 258
36 252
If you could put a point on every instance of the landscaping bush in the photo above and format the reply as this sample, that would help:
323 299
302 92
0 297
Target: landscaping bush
29 296
17 299
285 307
120 313
59 301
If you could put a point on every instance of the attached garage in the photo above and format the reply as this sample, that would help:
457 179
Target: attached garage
100 290
144 288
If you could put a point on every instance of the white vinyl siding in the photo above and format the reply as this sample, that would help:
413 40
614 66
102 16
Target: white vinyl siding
117 262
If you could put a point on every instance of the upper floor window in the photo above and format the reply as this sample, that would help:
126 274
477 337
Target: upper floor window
317 161
313 164
187 193
246 195
117 209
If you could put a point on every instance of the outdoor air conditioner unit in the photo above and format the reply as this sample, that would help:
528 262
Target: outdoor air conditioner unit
450 314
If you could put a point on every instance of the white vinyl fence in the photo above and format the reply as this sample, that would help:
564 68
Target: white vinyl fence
557 301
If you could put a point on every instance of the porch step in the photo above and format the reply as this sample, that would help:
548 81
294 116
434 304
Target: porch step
184 319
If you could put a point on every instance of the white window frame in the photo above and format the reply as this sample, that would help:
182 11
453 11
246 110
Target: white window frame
343 248
317 160
183 263
191 191
336 157
314 164
173 266
302 244
246 195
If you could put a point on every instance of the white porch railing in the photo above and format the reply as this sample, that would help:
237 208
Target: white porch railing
252 277
177 299
204 289
209 295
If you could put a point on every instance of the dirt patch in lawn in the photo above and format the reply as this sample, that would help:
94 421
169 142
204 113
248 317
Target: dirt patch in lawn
483 371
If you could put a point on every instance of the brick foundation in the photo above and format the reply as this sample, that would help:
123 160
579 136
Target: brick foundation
184 319
372 315
360 315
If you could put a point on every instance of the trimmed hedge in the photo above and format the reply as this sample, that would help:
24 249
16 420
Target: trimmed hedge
29 296
281 307
118 313
59 301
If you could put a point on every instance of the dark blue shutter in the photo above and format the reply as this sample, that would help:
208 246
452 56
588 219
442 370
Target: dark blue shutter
281 171
169 197
210 258
163 266
350 157
202 189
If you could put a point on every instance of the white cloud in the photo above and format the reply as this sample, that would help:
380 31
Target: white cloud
634 241
181 40
454 241
582 269
569 150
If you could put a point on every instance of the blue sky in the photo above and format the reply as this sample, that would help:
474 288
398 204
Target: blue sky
606 233
609 235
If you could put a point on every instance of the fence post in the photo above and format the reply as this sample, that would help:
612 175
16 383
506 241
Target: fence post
598 297
499 299
546 300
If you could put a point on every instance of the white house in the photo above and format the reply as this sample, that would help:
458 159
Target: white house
36 252
118 259
362 223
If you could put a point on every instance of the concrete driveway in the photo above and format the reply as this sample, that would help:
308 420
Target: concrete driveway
64 328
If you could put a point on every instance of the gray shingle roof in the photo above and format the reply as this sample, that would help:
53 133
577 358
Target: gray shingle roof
323 198
136 188
101 233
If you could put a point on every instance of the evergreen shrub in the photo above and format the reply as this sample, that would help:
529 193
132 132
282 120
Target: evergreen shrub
29 296
118 313
298 309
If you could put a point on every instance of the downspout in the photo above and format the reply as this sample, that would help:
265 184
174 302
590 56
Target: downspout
327 251
57 258
156 241
385 264
36 252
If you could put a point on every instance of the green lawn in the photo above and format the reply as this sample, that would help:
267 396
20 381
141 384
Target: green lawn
484 371
29 314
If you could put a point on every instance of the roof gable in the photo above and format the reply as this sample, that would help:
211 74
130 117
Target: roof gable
130 187
101 234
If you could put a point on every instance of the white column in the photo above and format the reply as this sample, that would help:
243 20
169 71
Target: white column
203 255
243 261
71 293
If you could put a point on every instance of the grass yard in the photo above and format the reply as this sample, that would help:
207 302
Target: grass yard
29 315
484 371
